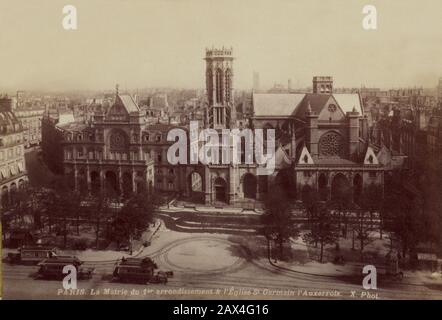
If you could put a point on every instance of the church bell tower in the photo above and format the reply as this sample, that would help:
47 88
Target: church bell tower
219 86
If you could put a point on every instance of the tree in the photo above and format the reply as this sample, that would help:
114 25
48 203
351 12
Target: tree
322 231
363 229
311 202
66 204
6 222
430 182
18 206
371 200
101 205
342 204
277 218
136 215
405 220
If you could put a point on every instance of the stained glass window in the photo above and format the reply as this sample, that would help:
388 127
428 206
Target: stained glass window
330 144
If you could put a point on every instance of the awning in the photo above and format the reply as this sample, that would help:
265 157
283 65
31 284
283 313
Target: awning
5 173
13 169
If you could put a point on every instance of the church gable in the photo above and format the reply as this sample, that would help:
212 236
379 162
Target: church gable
123 106
282 160
117 110
305 157
331 111
384 156
370 157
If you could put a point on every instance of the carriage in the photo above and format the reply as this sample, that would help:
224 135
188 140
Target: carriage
53 268
31 254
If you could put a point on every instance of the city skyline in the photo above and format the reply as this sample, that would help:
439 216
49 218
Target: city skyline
142 44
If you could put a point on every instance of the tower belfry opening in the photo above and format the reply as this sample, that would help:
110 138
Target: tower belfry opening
219 86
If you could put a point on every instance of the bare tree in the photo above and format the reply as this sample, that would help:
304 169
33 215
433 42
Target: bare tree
362 229
323 230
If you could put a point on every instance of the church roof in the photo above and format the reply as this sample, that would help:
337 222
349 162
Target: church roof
313 101
348 101
275 104
287 104
128 102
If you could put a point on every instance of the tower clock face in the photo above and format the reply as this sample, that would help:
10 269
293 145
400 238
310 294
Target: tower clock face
332 108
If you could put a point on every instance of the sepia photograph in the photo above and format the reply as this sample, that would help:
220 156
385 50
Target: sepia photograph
221 150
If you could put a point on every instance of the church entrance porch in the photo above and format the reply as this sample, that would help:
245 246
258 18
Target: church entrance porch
111 182
250 186
220 187
340 188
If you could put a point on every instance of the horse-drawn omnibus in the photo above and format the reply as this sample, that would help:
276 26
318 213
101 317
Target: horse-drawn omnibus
32 254
52 268
140 270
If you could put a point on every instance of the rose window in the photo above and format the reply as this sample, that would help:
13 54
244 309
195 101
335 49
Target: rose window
117 141
330 144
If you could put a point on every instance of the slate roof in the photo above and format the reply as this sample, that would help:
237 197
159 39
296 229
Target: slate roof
316 101
287 104
275 104
128 102
348 101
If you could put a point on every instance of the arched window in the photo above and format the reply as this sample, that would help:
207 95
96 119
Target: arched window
228 84
219 86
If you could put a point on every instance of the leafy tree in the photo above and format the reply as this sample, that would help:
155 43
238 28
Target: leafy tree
430 182
311 202
322 231
66 204
6 222
18 206
101 205
405 220
277 218
136 215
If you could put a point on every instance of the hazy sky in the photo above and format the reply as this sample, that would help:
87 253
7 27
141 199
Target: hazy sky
149 43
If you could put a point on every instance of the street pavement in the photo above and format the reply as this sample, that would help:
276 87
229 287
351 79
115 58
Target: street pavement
207 266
